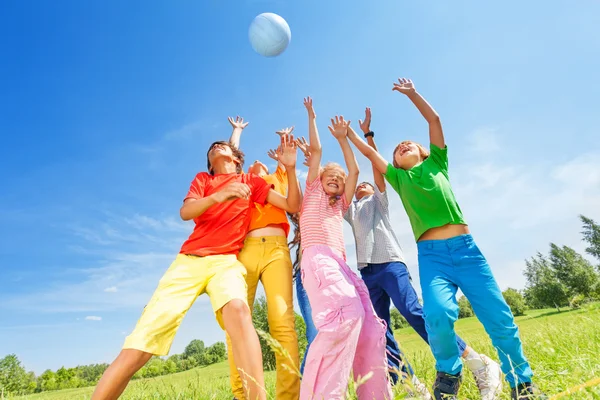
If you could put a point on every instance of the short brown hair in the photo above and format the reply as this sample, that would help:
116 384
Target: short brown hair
423 152
237 153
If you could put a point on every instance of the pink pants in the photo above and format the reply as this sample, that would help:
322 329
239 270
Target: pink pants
350 337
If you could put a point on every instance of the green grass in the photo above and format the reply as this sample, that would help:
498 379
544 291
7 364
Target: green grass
563 348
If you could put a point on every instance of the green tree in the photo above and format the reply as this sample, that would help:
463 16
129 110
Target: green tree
591 234
48 381
397 321
515 301
574 271
543 288
217 351
194 349
260 321
13 378
464 308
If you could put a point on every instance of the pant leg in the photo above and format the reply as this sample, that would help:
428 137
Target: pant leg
306 311
440 308
397 284
479 286
370 354
338 315
276 277
250 256
381 304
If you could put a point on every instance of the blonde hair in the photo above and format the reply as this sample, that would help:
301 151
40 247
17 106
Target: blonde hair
422 151
328 167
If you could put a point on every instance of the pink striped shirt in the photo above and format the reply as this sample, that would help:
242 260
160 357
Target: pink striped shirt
321 223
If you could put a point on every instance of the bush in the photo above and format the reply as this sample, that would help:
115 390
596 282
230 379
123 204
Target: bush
577 301
515 301
464 308
397 321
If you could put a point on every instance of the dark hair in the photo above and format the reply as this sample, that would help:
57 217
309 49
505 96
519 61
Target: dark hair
295 219
237 153
366 183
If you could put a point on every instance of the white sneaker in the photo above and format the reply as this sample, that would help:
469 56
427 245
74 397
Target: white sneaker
418 390
489 379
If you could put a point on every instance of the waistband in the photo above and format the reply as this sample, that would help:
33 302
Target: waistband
266 240
450 243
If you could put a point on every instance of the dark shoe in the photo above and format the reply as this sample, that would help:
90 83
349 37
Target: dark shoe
446 386
527 391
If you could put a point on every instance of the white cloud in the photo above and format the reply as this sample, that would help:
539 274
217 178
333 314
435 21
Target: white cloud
93 318
111 289
484 140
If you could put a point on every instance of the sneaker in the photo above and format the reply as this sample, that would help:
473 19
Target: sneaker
418 390
489 379
446 386
527 391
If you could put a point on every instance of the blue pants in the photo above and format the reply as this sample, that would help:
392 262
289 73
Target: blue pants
392 281
457 263
306 311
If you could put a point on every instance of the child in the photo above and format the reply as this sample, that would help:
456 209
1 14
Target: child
350 336
219 202
381 265
449 259
266 257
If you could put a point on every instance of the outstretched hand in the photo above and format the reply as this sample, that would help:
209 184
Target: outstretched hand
238 122
365 125
287 151
274 154
285 131
308 103
405 86
339 127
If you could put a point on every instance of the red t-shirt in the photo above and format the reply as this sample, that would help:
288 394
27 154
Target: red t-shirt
223 227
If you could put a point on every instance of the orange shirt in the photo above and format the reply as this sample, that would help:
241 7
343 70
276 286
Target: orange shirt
223 227
265 215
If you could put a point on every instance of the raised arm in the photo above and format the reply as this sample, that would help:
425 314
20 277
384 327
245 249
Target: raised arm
365 126
314 164
287 157
436 134
379 163
238 125
339 129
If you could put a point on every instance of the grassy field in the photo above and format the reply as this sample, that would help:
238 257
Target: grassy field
563 348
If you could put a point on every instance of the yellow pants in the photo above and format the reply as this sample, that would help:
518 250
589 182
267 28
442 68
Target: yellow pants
221 276
268 259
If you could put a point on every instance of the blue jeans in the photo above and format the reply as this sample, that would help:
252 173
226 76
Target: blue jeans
392 281
306 311
457 263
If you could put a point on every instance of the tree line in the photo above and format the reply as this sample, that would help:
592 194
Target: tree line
14 380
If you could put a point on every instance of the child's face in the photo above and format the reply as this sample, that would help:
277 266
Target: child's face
333 182
258 168
364 189
407 155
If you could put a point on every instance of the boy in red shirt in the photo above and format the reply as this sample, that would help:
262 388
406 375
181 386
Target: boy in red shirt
219 202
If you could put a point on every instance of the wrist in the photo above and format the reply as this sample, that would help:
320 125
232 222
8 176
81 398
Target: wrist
289 168
369 134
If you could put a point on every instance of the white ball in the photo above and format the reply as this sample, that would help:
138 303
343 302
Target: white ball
269 34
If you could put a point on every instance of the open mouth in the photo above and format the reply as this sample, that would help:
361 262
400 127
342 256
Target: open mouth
404 151
333 186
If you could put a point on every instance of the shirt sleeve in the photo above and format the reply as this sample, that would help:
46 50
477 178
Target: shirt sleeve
381 199
196 188
439 156
392 175
260 189
349 214
281 175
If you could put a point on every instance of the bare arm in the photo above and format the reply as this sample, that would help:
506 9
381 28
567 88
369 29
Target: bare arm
287 157
193 208
238 126
436 134
365 126
314 164
339 129
379 163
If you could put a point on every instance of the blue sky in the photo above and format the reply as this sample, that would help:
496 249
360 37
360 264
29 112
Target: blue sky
108 109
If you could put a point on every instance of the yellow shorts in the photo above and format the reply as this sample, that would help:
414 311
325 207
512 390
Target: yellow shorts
223 277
